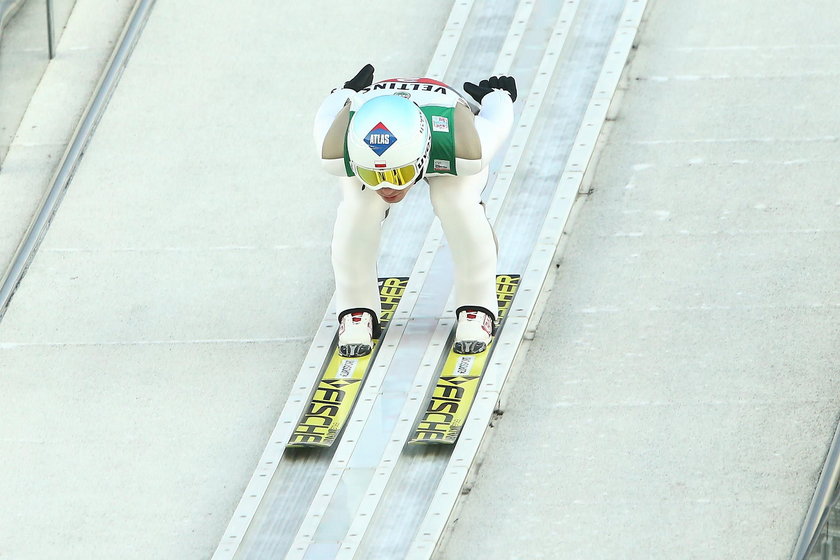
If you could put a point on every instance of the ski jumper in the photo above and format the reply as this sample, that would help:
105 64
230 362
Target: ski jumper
463 144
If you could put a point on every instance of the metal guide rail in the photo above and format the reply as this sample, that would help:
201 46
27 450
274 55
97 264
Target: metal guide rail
373 495
72 156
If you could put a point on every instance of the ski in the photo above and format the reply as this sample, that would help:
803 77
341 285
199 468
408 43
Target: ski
458 381
341 379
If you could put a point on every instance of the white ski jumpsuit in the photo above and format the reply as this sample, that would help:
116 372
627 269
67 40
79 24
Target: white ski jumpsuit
455 187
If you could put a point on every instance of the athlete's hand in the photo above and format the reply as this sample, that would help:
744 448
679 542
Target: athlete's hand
361 80
504 83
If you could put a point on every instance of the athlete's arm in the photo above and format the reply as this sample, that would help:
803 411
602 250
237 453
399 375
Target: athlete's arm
326 114
332 105
493 123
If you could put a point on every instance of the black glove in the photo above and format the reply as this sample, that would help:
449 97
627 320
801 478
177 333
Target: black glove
361 80
506 83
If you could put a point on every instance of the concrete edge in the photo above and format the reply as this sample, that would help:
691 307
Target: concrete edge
56 178
8 8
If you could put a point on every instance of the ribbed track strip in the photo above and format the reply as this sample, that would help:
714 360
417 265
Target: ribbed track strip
531 283
311 368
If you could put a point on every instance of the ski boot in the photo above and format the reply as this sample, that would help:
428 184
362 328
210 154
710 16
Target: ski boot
355 333
474 332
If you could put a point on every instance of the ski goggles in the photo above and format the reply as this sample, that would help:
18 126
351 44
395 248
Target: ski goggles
398 178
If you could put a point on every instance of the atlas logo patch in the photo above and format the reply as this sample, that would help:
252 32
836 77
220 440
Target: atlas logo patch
380 139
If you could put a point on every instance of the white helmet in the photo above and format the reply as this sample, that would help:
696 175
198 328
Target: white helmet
388 142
